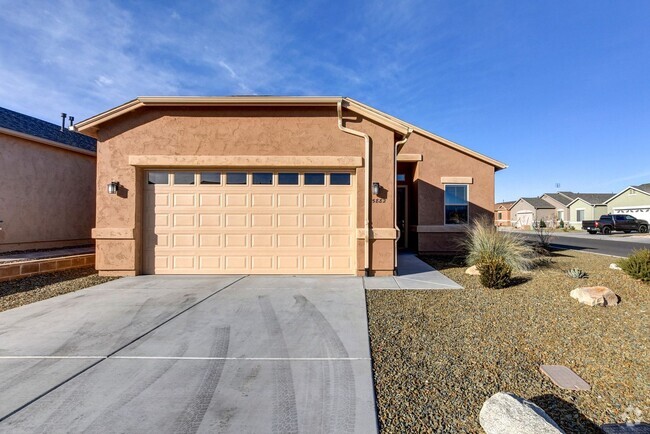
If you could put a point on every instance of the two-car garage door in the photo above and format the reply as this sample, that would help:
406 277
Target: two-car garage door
250 222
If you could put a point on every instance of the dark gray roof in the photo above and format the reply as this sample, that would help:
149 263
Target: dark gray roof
506 204
21 123
560 197
538 203
595 198
571 195
643 187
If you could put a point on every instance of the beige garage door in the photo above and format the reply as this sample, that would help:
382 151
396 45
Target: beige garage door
250 222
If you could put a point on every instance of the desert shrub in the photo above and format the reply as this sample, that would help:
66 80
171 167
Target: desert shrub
576 273
484 241
495 273
561 224
637 265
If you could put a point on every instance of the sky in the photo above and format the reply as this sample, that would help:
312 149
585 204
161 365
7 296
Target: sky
558 90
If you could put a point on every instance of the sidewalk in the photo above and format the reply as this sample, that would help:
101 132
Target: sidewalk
412 273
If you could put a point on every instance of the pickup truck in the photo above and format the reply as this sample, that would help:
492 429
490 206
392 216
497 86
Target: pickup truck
615 222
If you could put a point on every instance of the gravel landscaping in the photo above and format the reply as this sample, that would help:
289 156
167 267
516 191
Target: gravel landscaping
438 355
19 292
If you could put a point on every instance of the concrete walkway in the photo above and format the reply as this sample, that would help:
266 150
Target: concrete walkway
52 253
191 354
412 273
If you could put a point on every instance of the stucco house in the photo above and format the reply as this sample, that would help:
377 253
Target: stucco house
502 213
587 206
560 201
633 200
528 211
47 184
276 185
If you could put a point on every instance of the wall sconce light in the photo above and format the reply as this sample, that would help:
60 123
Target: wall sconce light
376 188
113 187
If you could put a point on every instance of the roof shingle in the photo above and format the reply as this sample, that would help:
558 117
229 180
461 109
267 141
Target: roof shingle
594 198
21 123
538 203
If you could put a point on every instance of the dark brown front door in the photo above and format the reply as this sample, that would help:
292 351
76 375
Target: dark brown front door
402 216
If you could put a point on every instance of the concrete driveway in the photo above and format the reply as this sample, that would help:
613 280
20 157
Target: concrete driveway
191 354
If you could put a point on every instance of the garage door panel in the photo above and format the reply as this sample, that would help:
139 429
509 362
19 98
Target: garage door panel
288 200
261 200
210 199
262 221
236 220
209 220
236 199
266 229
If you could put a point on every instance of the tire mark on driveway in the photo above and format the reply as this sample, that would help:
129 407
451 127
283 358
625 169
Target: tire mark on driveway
192 416
285 411
339 411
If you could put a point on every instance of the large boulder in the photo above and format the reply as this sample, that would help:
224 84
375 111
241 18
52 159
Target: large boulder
595 296
507 413
473 271
614 266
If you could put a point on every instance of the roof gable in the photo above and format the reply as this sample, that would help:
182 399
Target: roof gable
559 197
11 121
593 198
535 202
643 188
90 125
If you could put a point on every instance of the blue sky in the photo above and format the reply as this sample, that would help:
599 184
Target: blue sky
558 90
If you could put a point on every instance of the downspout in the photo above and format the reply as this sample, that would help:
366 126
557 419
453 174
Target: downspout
366 164
398 147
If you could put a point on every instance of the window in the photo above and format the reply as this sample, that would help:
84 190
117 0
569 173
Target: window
236 178
499 216
619 218
314 179
580 214
401 177
288 178
184 178
456 204
339 179
629 218
158 178
262 178
560 215
210 178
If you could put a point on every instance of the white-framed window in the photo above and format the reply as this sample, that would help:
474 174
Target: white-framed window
456 204
560 215
499 216
580 215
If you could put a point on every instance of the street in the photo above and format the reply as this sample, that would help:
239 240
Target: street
615 244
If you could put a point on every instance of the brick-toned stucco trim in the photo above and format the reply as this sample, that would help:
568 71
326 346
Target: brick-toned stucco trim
18 270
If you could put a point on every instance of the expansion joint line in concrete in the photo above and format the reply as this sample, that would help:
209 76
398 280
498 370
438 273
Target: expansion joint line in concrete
98 361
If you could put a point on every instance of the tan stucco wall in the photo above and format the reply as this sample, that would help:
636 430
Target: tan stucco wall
505 216
230 131
48 195
441 161
272 131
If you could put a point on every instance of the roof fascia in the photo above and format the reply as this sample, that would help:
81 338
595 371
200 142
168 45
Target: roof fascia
623 191
43 141
498 165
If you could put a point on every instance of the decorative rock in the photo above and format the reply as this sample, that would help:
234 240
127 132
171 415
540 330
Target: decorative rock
473 271
613 266
507 413
595 296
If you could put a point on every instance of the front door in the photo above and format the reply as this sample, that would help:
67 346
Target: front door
402 216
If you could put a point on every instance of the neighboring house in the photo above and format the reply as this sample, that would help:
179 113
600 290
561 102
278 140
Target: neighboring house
560 202
528 211
634 200
587 206
47 184
276 185
502 213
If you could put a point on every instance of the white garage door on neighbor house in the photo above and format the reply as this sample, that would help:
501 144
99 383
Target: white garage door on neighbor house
640 212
